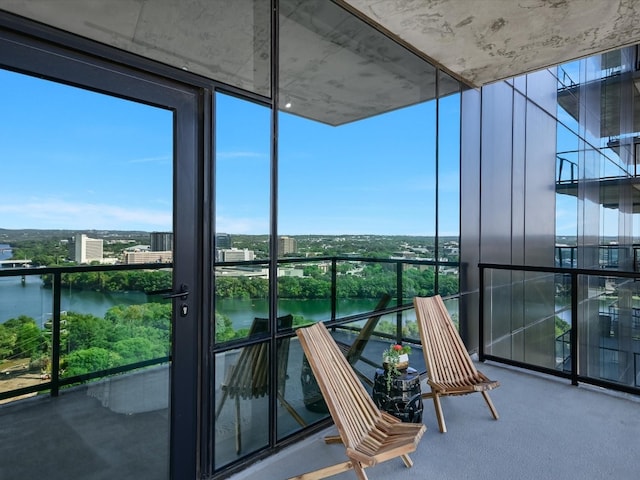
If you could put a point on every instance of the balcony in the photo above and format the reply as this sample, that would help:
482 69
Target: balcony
115 422
547 429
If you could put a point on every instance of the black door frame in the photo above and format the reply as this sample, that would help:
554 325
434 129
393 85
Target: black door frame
35 49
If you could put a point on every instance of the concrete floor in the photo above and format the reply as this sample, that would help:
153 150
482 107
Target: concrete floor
548 429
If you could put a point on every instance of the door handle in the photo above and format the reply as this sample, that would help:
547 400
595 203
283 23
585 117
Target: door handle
182 294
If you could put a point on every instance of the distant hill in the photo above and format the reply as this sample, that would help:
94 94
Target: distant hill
9 236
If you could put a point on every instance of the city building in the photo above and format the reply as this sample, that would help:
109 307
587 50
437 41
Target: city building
287 245
235 255
161 241
511 127
223 240
141 256
86 250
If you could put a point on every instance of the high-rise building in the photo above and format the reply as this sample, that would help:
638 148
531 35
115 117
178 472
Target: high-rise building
287 245
223 240
87 250
161 241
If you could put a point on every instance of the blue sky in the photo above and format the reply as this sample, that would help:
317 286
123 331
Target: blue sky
374 176
73 159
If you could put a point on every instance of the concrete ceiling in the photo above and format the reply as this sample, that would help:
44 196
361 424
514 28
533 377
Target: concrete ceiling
336 69
482 41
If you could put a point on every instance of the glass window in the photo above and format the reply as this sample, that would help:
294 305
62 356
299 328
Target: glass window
241 242
225 40
356 158
448 191
89 184
356 170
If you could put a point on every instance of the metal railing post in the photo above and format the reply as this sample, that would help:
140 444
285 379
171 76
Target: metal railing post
399 296
481 316
55 335
334 287
573 336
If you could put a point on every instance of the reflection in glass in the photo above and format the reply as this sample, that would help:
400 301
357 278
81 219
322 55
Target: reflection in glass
448 191
528 318
241 423
299 402
242 185
610 330
100 173
225 40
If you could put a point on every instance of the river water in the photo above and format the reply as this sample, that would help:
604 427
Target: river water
30 298
33 300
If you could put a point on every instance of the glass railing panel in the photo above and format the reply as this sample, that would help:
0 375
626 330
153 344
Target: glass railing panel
25 342
304 290
241 422
241 297
363 341
497 313
448 280
116 326
299 401
609 327
527 317
107 321
418 280
364 286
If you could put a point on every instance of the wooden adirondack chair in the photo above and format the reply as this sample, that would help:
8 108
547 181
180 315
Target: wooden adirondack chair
450 370
249 377
353 352
369 435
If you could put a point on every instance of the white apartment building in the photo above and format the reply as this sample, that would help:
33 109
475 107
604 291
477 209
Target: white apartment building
235 255
87 249
145 256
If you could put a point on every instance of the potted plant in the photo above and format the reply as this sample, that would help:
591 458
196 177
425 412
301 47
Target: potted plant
394 359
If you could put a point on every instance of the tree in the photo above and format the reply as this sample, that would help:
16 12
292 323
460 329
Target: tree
90 360
7 342
86 331
132 350
21 337
224 328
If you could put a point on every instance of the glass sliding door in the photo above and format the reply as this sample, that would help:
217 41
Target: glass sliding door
99 169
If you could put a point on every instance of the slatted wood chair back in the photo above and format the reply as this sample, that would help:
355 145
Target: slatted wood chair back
447 360
369 435
249 378
351 407
450 370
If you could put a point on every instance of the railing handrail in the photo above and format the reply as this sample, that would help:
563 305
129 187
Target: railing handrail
601 272
57 272
14 272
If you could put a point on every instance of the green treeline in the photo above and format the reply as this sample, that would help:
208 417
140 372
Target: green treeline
129 334
115 281
370 282
126 335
